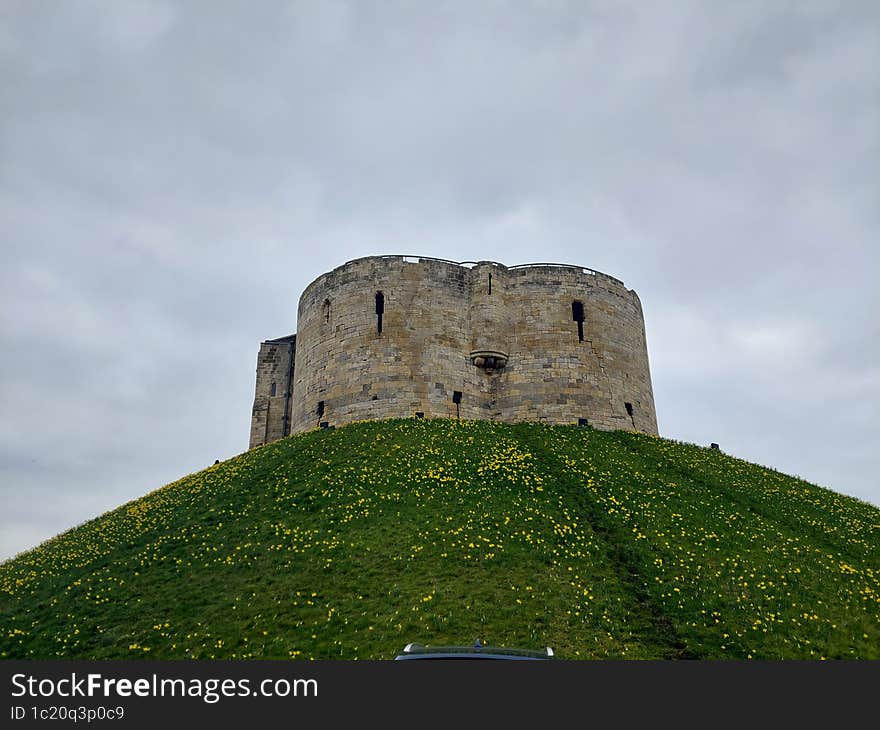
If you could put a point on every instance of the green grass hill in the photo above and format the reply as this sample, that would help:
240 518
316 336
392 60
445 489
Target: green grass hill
350 543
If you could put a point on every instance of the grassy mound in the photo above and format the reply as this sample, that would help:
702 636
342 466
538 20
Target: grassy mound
351 543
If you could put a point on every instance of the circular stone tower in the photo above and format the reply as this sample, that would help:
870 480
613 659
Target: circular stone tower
395 336
400 336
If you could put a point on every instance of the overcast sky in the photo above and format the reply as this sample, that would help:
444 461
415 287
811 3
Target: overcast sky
172 175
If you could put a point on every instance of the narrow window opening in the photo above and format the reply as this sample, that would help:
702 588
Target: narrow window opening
326 311
490 284
380 310
577 314
320 409
456 398
272 389
629 412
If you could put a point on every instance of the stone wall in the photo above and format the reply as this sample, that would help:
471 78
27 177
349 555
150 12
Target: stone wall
513 353
275 364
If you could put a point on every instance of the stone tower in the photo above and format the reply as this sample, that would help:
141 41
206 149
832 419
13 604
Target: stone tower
400 336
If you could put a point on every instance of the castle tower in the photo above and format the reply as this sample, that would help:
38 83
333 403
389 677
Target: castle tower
398 336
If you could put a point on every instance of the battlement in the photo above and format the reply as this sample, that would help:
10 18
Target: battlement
471 264
395 336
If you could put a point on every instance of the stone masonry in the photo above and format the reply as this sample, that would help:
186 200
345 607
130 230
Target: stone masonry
270 418
398 336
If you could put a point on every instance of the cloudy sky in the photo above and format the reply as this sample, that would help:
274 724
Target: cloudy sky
172 174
